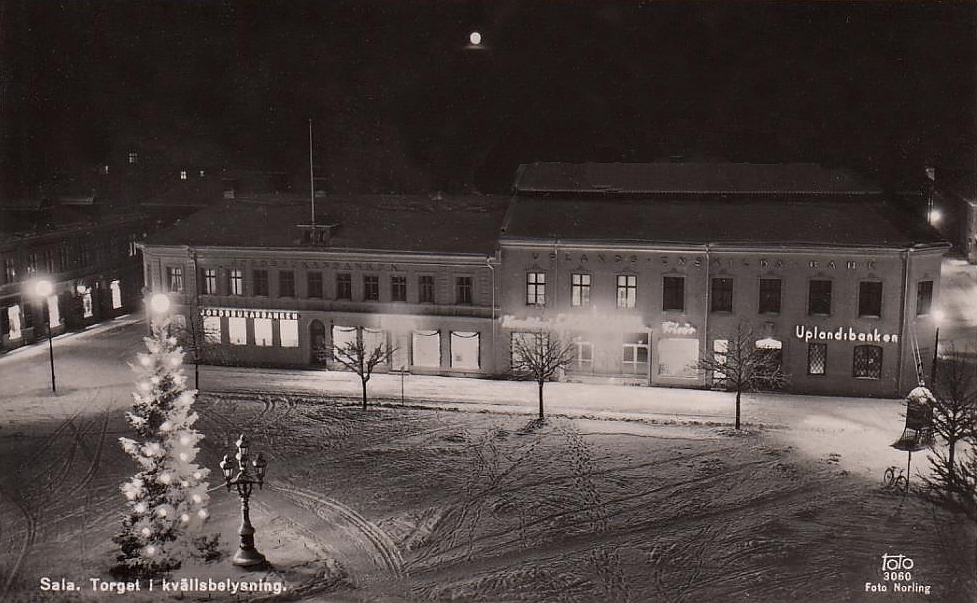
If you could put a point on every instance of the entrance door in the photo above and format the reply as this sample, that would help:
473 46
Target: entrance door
317 338
634 359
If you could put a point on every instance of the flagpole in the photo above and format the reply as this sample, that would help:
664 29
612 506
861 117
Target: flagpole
311 180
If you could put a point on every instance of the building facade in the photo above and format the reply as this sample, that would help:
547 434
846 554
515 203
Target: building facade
840 290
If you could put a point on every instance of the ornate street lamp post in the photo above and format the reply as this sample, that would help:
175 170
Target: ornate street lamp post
937 319
43 289
249 473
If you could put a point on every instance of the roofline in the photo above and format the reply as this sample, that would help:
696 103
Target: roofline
612 192
744 247
372 255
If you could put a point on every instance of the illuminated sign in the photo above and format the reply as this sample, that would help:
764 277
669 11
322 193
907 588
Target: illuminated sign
674 328
843 334
577 322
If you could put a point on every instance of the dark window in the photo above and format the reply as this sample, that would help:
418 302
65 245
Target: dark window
817 358
9 270
769 296
722 295
286 283
867 362
371 288
924 297
64 256
580 290
235 282
260 278
26 314
870 298
819 297
425 286
174 279
208 281
627 291
344 286
84 254
673 293
463 290
48 255
314 281
535 288
398 288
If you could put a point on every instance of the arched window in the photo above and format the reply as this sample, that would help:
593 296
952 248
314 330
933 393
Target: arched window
867 362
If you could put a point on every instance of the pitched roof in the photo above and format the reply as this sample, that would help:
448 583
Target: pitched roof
761 221
691 178
406 223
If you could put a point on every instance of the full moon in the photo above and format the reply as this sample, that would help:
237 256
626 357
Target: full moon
475 38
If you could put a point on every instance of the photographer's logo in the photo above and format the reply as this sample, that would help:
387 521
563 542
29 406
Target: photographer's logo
897 577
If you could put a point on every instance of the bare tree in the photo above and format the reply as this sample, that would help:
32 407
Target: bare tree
955 408
197 346
361 358
539 356
743 367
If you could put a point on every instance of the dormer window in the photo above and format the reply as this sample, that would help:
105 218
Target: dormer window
133 158
183 174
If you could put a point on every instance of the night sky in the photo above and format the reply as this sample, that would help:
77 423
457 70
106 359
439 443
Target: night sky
400 105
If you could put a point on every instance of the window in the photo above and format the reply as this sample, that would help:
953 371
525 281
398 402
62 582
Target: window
133 158
673 293
183 174
259 282
208 281
627 290
9 270
870 298
579 289
286 283
924 297
235 282
116 288
374 339
262 331
583 356
464 349
819 297
344 286
398 288
371 288
817 358
27 315
84 254
64 260
237 330
867 362
720 347
314 282
32 263
174 279
342 337
48 255
769 296
425 286
212 329
634 359
289 331
722 295
54 310
426 348
13 319
132 246
87 309
463 290
535 288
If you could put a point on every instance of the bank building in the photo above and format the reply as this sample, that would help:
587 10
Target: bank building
644 267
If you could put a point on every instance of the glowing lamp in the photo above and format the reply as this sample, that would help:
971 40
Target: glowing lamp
935 216
159 303
259 466
938 316
475 38
226 469
243 444
43 288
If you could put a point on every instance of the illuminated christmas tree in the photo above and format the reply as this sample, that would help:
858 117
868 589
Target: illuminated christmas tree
167 499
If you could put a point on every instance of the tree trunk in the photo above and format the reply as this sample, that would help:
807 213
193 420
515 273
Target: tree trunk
540 399
364 394
738 409
951 445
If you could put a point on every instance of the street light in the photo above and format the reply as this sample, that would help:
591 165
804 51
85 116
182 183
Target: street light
249 473
937 319
43 289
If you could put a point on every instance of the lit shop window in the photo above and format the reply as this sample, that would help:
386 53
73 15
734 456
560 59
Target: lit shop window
535 288
212 329
579 289
53 311
677 357
634 358
720 347
373 339
237 330
867 362
426 348
116 288
583 356
262 331
464 350
399 358
13 317
179 322
289 331
86 304
627 290
342 336
817 358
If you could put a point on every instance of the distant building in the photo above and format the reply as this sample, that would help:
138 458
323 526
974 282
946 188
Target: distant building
952 208
93 265
644 267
